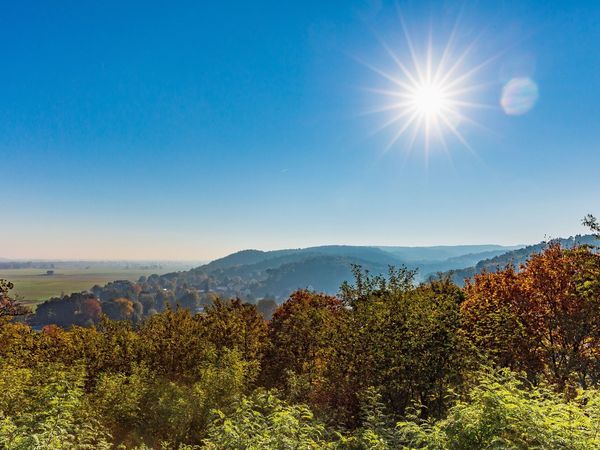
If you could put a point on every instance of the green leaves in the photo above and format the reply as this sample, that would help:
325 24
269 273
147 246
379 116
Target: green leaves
592 223
506 413
146 407
50 411
262 421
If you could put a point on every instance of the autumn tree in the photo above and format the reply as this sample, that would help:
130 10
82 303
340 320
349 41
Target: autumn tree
8 305
564 289
120 308
302 335
75 309
545 319
497 315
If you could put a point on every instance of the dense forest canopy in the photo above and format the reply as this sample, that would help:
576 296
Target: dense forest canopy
510 360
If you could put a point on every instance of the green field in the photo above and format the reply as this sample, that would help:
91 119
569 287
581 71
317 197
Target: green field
33 285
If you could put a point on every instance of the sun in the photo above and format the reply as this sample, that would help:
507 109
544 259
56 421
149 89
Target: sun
429 100
429 97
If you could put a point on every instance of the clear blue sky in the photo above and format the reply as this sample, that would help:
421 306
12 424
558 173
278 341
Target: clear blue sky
144 130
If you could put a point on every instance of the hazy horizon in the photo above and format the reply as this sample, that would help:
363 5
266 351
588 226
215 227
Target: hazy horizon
217 256
135 248
190 131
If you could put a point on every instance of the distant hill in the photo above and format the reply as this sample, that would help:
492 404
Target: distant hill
444 252
277 273
516 257
255 259
427 269
244 258
324 273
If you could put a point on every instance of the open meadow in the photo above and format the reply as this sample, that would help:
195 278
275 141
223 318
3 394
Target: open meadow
34 285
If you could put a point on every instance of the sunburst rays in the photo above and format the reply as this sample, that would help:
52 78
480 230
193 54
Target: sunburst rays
429 97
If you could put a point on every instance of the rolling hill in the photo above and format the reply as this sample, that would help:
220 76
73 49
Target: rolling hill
277 273
516 257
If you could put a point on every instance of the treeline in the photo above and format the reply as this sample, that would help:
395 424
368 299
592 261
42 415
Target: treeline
132 301
25 265
512 360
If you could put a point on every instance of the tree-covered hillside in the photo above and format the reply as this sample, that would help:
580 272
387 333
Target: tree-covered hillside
517 257
440 253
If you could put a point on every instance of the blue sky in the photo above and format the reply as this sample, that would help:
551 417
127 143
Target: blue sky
143 130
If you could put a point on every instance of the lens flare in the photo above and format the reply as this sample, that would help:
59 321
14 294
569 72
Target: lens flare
519 96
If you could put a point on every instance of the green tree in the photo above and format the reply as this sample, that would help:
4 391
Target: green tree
504 412
302 336
235 325
44 408
173 343
146 408
592 223
404 340
262 421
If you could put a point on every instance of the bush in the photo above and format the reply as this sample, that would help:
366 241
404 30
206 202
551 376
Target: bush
146 407
44 408
262 421
504 412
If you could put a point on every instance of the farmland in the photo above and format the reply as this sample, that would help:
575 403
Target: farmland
34 285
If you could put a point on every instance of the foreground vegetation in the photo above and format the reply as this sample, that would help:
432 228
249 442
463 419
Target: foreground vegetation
512 360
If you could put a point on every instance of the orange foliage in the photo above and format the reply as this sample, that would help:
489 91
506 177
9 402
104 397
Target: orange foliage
545 318
126 306
92 309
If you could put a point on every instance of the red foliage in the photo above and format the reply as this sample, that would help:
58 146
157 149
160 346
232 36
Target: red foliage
91 308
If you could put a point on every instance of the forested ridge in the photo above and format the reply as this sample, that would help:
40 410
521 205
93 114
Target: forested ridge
516 257
510 360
